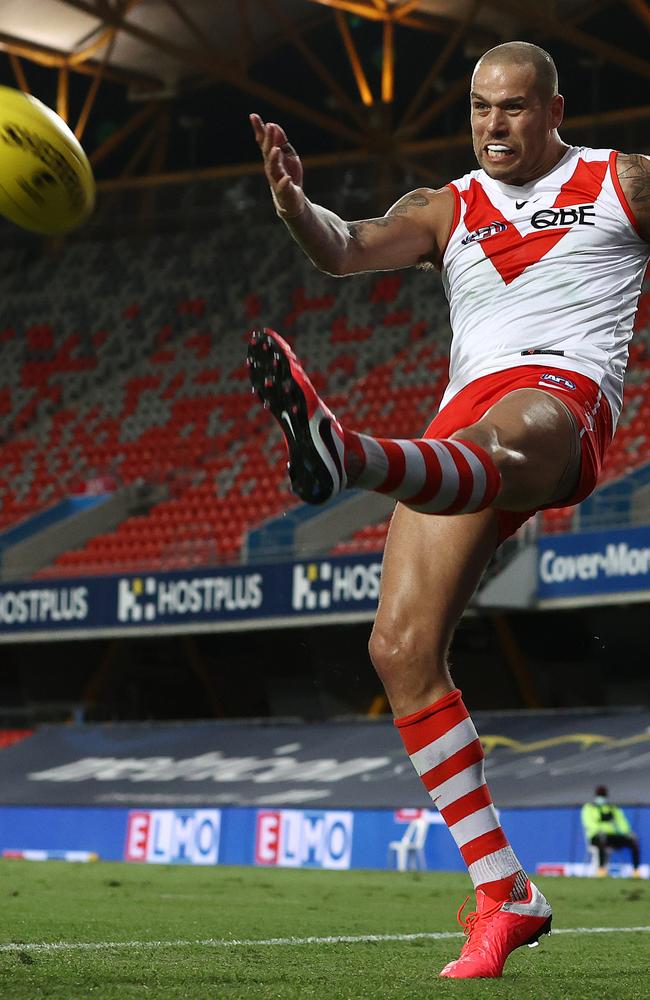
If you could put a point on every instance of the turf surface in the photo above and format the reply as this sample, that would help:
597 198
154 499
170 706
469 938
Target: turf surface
190 912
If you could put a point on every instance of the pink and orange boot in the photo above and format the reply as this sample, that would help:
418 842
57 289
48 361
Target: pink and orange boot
494 930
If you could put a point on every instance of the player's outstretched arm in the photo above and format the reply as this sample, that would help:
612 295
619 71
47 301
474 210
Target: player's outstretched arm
634 174
412 232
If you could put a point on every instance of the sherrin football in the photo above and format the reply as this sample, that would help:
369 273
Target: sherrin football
46 182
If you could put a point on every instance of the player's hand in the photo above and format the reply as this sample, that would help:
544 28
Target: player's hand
282 167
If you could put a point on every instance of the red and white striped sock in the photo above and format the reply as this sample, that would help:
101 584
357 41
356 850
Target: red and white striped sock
430 476
447 754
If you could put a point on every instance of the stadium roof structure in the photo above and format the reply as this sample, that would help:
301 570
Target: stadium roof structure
355 80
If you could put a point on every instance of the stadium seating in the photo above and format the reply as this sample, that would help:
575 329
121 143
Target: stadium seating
125 360
132 370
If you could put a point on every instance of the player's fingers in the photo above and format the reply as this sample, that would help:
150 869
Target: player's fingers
288 150
259 130
269 141
271 136
274 166
282 185
279 133
289 198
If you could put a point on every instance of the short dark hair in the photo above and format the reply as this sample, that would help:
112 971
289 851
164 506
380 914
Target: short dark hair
601 791
526 54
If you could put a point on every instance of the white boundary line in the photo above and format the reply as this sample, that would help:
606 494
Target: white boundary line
46 946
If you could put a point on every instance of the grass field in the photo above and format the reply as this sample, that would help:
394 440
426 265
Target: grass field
126 931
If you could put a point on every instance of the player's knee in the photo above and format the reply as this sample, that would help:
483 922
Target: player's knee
499 445
385 652
398 653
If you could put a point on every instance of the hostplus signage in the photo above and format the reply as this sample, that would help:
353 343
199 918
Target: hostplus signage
202 599
327 584
153 598
51 606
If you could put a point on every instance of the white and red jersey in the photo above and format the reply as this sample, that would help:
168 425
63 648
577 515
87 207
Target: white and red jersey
547 273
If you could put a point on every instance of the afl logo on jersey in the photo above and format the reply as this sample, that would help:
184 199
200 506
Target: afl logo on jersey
484 233
556 380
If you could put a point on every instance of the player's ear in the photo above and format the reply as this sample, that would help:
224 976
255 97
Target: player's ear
556 111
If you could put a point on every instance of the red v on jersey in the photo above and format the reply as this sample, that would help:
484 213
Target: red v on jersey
509 251
584 185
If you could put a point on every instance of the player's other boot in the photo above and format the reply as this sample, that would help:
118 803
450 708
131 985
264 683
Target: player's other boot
313 434
494 930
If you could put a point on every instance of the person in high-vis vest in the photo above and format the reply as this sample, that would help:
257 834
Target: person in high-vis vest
606 826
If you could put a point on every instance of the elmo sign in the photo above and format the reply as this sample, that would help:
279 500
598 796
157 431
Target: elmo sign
296 838
173 836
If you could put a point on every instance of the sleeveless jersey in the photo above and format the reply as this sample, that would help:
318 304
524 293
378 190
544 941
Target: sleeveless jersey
548 273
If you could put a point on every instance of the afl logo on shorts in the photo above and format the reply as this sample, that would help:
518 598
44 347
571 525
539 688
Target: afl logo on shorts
556 380
484 233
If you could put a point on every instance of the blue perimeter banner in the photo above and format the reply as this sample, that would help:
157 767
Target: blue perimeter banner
593 563
289 838
200 598
336 588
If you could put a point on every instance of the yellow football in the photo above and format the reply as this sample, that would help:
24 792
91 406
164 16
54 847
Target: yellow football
46 182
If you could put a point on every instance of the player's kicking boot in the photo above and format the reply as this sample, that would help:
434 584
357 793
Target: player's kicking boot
312 432
494 930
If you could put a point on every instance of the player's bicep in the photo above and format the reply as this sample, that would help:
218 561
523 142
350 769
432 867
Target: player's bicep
385 243
633 171
409 233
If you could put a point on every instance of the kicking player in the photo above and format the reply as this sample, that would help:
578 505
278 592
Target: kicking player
542 252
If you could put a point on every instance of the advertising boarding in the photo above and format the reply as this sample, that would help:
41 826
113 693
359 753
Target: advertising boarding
205 599
594 564
296 838
171 836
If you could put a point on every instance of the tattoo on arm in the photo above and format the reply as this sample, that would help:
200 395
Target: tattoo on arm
634 171
403 206
355 229
409 201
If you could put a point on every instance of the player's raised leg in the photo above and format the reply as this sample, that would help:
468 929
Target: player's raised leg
431 568
324 457
523 453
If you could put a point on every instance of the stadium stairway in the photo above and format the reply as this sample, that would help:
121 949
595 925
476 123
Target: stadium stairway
34 542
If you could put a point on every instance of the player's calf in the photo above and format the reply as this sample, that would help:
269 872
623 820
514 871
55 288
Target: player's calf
429 476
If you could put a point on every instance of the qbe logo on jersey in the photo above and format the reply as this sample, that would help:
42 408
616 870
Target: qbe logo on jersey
173 836
293 838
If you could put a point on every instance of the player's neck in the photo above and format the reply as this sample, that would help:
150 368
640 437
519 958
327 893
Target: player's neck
556 152
552 155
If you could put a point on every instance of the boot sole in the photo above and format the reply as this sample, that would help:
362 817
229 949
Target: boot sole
544 929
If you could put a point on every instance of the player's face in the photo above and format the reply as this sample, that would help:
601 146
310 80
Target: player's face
513 129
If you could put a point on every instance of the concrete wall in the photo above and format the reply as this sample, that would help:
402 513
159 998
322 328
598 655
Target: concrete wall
21 560
323 531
